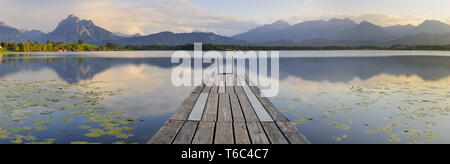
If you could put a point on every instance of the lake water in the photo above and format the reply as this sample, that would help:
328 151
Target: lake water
125 97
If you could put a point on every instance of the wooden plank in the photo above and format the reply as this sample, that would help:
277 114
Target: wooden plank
257 106
224 113
238 116
224 133
241 133
186 133
185 109
229 89
205 133
199 107
214 90
207 89
198 89
211 108
222 84
247 110
271 109
167 133
257 134
274 134
292 134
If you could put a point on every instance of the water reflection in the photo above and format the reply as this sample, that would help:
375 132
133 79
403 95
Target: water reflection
333 100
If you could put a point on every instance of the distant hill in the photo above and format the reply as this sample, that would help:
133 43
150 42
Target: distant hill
10 34
424 39
169 38
72 29
365 31
334 32
346 32
33 35
269 32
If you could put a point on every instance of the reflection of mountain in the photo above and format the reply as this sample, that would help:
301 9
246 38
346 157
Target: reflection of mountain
75 69
313 69
346 69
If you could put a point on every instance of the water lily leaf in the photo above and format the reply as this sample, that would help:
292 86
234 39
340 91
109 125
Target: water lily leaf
84 127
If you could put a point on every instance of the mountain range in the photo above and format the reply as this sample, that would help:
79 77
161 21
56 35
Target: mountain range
334 32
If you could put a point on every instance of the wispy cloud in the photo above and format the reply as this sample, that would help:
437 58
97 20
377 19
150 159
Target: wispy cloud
131 16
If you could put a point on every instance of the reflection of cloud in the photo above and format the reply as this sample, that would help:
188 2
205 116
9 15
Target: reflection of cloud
298 85
42 74
148 90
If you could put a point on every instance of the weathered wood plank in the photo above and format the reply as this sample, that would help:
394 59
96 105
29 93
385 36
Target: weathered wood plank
185 109
224 113
214 90
274 134
205 133
241 133
207 89
292 134
247 109
257 106
238 116
257 134
224 133
222 84
222 88
186 133
229 84
198 89
167 133
211 108
271 109
199 107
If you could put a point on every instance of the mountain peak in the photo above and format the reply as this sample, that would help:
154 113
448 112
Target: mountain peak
281 22
434 27
346 20
73 28
73 18
366 23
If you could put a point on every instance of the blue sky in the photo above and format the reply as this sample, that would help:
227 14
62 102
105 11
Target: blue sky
226 17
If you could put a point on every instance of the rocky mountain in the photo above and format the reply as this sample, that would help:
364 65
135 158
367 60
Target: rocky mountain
169 38
303 31
365 31
402 31
424 39
264 33
33 35
345 32
10 34
433 27
72 29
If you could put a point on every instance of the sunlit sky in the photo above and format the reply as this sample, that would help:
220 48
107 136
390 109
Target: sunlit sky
226 17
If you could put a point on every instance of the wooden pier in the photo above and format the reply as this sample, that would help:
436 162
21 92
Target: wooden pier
224 113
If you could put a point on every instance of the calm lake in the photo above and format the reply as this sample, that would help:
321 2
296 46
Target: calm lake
125 97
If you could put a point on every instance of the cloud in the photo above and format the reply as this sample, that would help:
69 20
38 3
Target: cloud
306 2
130 17
383 19
378 19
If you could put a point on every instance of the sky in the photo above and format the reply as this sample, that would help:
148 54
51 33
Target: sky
225 17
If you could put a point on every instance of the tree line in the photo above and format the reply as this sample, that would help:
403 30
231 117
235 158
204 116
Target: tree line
55 47
82 46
